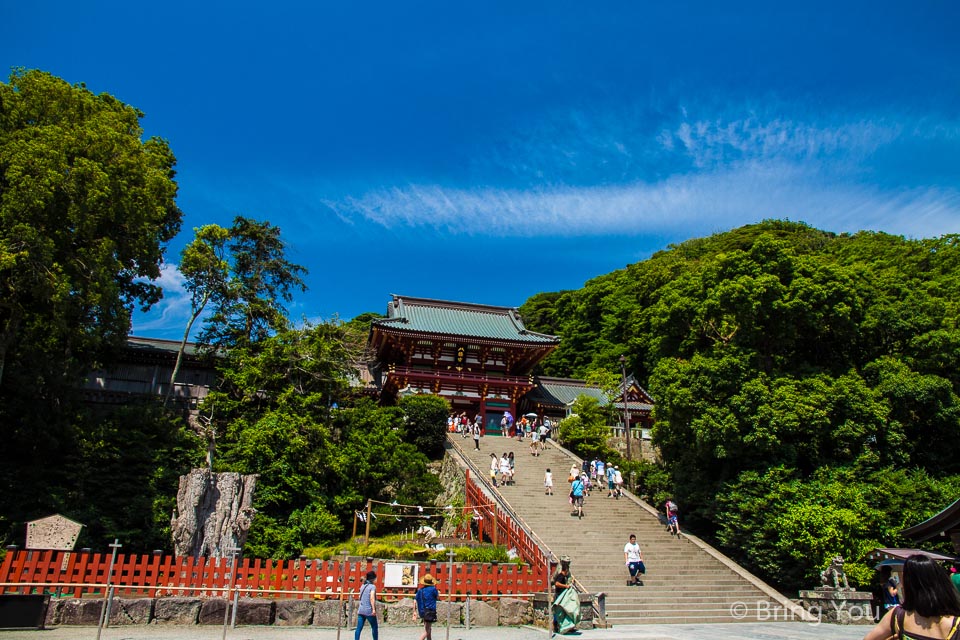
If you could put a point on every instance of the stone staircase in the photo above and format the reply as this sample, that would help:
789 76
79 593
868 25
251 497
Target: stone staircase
686 582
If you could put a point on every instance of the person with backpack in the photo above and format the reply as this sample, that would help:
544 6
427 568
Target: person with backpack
426 599
367 612
576 496
673 525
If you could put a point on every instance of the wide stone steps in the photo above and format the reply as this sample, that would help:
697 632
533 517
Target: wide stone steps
684 583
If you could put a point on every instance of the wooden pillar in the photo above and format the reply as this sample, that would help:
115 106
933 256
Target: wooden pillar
366 535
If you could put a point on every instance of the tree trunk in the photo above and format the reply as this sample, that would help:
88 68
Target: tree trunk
183 347
214 512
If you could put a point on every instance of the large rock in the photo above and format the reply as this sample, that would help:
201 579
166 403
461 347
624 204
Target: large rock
294 613
400 612
483 615
212 610
53 612
455 609
214 512
541 609
515 612
177 611
131 611
327 613
255 611
81 611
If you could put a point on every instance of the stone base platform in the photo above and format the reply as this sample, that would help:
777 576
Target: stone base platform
839 606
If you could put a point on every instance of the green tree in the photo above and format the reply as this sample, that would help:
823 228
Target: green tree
86 208
317 465
585 431
789 527
775 346
125 473
205 271
261 280
425 422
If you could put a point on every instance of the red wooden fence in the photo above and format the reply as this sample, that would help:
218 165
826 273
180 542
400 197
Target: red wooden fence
499 526
75 574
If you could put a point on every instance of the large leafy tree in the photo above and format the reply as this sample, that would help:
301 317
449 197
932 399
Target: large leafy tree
86 207
426 422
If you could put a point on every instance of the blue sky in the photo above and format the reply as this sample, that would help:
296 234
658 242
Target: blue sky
485 152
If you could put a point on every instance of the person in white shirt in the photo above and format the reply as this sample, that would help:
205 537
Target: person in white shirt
633 558
548 482
504 470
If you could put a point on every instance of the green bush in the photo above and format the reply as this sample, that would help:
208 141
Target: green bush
393 548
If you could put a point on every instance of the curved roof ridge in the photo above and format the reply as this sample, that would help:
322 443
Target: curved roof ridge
441 317
451 304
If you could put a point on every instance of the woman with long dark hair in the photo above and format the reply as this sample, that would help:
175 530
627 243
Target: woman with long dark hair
930 605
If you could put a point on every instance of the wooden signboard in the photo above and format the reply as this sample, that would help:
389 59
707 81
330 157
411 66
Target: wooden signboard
53 532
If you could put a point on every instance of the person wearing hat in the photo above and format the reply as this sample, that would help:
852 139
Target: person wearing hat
367 612
426 599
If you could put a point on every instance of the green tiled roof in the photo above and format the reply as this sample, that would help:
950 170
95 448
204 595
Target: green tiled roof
562 391
459 319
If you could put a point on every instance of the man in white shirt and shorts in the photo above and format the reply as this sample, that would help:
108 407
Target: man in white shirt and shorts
633 558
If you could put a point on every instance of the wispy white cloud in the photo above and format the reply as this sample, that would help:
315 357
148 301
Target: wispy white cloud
715 142
704 201
711 173
170 315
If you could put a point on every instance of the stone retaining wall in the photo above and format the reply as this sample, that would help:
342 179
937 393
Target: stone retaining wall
291 613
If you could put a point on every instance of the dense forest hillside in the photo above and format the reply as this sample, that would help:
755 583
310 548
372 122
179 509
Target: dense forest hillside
806 383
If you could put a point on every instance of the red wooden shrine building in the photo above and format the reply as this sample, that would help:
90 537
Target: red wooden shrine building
479 357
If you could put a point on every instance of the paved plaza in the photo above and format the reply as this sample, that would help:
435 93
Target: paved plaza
733 631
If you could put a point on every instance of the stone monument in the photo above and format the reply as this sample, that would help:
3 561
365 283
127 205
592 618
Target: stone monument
835 600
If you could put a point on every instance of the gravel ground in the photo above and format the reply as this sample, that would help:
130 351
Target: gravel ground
737 631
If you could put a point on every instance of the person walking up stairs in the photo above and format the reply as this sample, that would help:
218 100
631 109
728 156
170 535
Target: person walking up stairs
684 582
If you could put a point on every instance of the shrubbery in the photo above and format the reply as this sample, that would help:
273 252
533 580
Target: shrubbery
395 548
795 373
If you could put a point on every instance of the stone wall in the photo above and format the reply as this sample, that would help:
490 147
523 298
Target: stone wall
453 479
289 613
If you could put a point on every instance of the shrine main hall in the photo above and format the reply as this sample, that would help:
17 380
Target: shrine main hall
480 358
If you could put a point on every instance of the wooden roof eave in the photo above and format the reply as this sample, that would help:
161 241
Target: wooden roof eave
946 520
449 337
